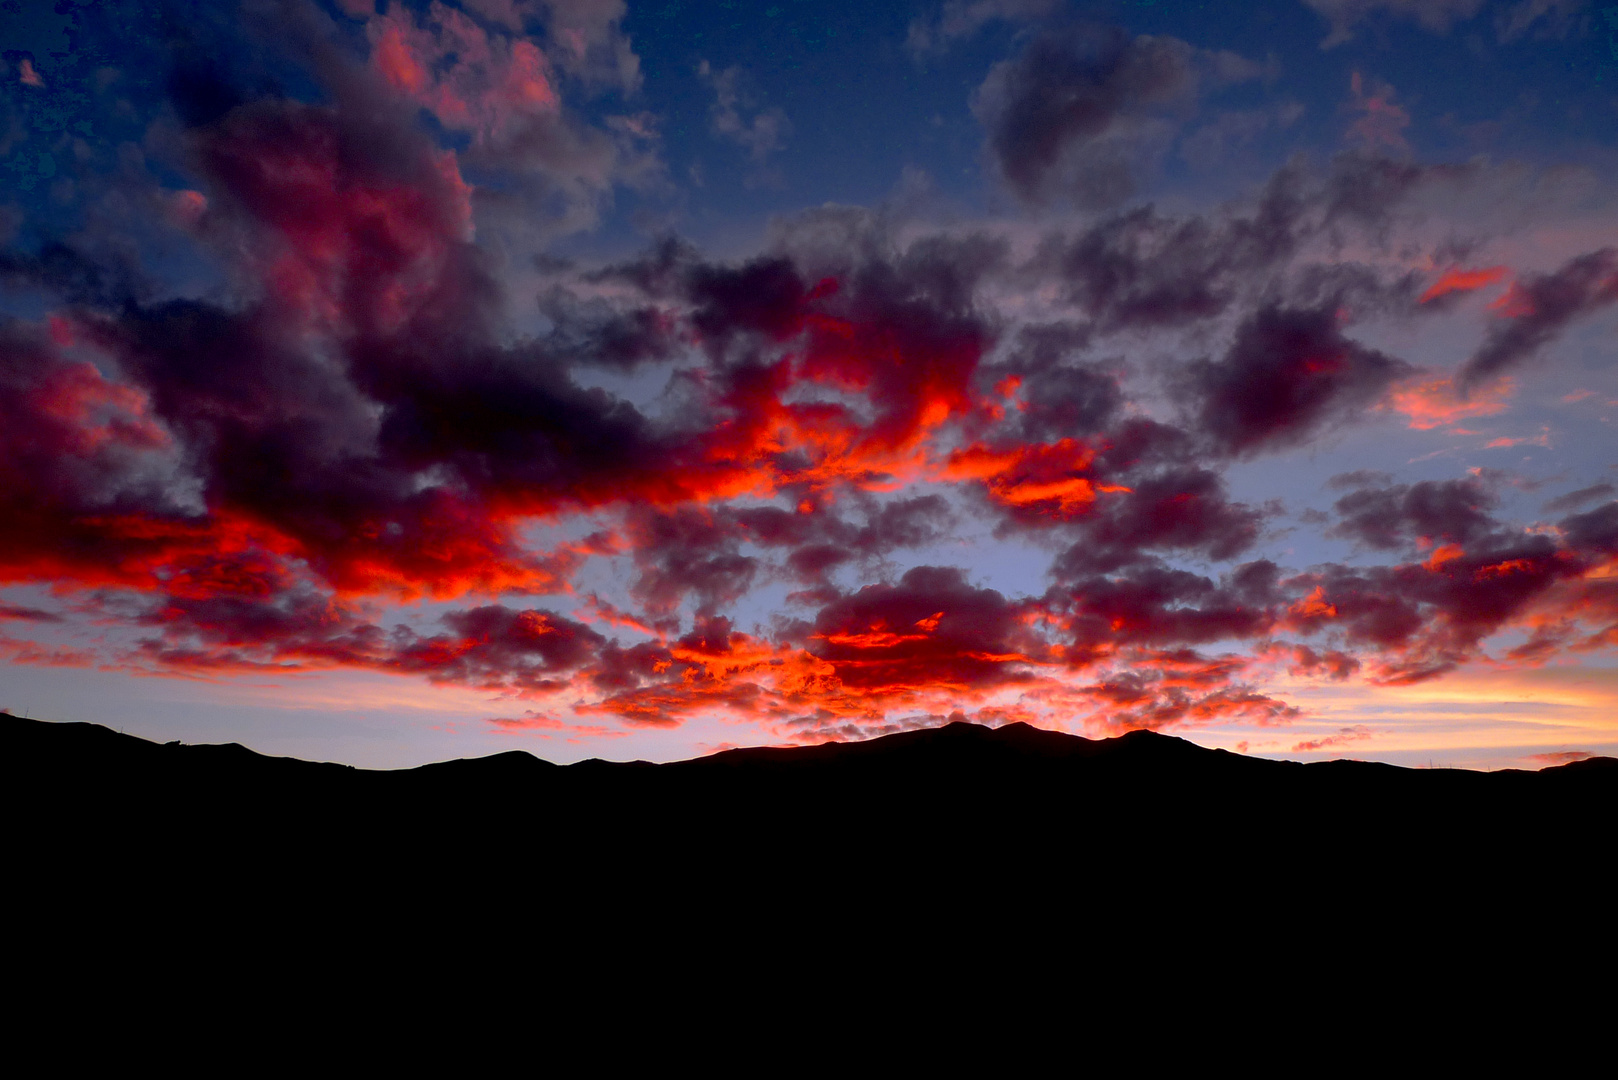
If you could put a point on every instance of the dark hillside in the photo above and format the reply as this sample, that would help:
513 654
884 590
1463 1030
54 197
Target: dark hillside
961 805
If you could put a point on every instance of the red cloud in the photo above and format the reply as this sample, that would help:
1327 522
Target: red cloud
1457 280
1052 482
471 78
930 630
253 481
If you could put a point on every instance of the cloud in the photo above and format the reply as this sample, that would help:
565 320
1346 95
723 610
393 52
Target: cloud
1081 112
1558 17
549 727
246 612
960 19
1426 618
1575 499
589 42
72 275
1152 604
1536 309
761 133
499 71
1071 116
1457 280
1142 269
497 647
1037 483
1560 757
27 614
1053 394
1180 508
1306 661
581 38
688 551
820 540
84 471
694 485
1381 123
1594 530
1431 401
1288 374
357 411
1356 733
28 75
930 629
1427 513
1179 707
487 83
1437 16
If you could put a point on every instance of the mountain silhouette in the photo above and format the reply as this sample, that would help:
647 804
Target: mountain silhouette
961 807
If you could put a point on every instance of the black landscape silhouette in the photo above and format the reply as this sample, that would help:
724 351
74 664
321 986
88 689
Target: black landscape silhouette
961 805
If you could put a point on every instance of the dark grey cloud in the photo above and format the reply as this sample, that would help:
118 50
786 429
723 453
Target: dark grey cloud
1289 373
1575 499
1067 116
1538 308
1432 511
1182 509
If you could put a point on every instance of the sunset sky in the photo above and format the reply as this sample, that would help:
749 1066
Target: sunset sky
390 382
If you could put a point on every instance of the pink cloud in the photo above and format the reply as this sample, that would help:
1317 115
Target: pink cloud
1382 123
1431 401
488 83
1562 757
1346 735
1542 439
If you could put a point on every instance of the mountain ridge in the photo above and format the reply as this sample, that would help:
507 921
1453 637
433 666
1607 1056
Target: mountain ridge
958 807
1016 739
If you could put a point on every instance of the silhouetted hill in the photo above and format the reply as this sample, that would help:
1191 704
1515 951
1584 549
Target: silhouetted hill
960 805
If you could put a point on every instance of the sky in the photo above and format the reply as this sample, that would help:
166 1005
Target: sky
391 382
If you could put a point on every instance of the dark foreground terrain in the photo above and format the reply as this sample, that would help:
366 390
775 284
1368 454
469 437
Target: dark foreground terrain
961 806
